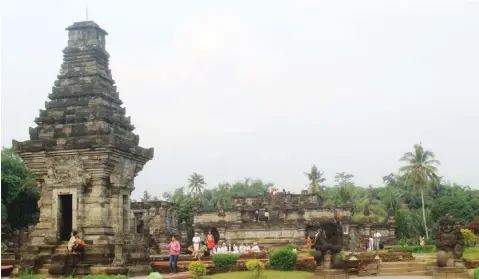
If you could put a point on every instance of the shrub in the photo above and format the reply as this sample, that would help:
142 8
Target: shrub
224 260
415 248
469 238
197 269
476 273
283 259
256 268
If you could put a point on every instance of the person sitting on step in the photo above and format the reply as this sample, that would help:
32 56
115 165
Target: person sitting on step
77 246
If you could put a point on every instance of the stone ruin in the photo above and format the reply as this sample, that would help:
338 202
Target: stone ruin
292 217
84 156
450 246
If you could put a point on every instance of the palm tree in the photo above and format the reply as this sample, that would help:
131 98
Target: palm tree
196 184
419 173
223 189
315 177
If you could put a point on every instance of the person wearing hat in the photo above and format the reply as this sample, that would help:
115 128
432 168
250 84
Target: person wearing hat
196 244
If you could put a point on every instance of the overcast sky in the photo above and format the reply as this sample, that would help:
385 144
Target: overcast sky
264 89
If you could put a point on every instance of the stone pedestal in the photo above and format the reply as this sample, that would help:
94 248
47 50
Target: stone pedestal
450 272
321 273
324 271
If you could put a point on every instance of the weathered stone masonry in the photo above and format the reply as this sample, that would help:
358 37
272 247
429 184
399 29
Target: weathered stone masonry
84 146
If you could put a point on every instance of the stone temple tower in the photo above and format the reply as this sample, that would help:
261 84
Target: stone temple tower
83 151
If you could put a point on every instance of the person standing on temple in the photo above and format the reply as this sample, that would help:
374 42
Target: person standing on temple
377 239
196 244
266 215
371 243
210 242
256 215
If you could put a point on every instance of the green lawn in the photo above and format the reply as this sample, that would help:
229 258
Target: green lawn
268 274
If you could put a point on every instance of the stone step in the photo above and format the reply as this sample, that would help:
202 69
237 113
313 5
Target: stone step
401 269
412 273
180 275
403 264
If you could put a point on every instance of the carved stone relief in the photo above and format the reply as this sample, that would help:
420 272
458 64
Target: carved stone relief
66 171
123 173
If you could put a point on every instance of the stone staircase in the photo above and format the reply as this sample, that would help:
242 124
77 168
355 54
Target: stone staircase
412 268
61 249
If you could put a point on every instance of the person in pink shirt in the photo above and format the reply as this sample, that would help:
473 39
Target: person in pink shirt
174 247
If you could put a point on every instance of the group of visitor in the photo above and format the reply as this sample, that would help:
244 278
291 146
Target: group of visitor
372 242
209 247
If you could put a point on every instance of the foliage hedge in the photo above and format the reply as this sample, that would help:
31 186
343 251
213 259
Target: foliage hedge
476 273
469 238
255 267
283 259
197 269
224 261
414 248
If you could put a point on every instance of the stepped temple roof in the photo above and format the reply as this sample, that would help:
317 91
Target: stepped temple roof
85 109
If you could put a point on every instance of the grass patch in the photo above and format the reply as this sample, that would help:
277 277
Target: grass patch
268 274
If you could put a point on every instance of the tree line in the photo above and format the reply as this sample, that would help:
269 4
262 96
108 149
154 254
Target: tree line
416 193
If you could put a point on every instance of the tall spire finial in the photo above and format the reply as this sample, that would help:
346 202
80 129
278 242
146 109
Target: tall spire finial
86 12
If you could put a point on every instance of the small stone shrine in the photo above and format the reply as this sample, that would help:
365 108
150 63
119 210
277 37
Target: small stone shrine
291 218
84 156
450 246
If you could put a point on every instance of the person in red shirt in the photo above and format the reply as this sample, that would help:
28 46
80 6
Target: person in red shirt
174 247
210 242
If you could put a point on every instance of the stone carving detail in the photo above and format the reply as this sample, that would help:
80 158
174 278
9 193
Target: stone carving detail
123 173
449 242
66 170
332 245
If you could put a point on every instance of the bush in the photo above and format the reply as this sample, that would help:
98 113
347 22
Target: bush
197 269
469 238
29 275
283 259
224 260
414 248
255 267
476 273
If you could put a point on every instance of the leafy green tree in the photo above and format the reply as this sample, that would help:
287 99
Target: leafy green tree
316 178
196 184
19 192
146 196
419 172
223 189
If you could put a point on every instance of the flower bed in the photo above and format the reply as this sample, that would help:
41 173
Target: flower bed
254 255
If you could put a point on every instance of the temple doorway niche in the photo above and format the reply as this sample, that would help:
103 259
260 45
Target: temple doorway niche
215 233
65 210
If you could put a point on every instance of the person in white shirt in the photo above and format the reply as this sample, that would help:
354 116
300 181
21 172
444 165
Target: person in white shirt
242 248
224 249
196 244
77 246
266 215
235 249
371 243
377 239
255 248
